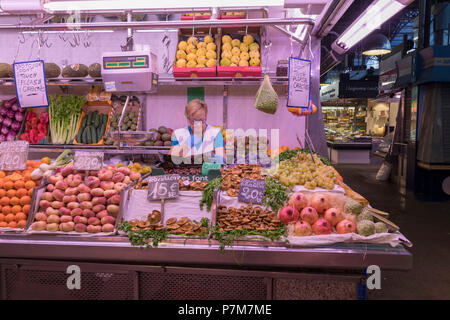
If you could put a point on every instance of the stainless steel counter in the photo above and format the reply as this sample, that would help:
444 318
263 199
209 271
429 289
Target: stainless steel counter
195 252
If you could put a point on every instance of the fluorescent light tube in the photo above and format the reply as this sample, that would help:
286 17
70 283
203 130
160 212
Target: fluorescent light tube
157 30
145 4
69 31
368 21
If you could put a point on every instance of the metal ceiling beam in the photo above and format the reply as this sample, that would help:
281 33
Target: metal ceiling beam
288 33
163 24
331 14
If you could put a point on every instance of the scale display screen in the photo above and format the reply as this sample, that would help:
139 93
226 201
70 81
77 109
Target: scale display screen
127 62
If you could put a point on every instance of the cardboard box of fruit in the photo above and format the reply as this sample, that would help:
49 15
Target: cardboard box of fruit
240 53
196 16
196 54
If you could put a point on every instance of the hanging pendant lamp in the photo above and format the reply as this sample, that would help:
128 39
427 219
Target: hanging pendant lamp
377 45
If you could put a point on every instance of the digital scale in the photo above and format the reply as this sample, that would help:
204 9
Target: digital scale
130 71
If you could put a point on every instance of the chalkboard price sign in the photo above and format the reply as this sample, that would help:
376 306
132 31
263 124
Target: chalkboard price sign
299 90
13 155
251 191
31 86
85 160
163 187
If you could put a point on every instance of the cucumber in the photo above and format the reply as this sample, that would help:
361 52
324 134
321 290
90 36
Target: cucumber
93 135
99 134
97 120
83 122
103 129
84 136
80 134
88 135
89 118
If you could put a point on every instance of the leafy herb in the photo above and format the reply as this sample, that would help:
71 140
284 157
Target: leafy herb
275 195
227 238
204 234
208 193
144 238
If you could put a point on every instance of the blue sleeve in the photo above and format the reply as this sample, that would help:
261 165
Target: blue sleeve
174 141
218 141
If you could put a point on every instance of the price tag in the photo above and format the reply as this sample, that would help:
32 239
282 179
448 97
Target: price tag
31 86
299 89
163 187
251 191
85 160
13 155
206 166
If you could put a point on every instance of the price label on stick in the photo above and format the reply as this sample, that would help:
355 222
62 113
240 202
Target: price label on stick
31 86
85 160
13 155
163 187
251 191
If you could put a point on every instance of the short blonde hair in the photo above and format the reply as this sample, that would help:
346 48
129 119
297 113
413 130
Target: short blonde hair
195 106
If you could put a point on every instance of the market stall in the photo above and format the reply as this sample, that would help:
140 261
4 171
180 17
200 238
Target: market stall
94 185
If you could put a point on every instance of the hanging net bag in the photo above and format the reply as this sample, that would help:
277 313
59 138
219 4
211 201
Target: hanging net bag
266 99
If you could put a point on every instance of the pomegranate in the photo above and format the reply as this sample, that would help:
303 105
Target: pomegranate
321 226
320 202
333 216
345 226
309 214
298 200
302 229
289 214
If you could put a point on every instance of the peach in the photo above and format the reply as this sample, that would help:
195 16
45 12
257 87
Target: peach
97 208
76 212
109 193
62 185
57 204
119 186
107 185
92 182
65 219
54 179
114 199
39 225
73 205
92 229
99 200
88 213
84 197
80 219
53 219
102 214
67 226
64 211
47 196
118 177
108 219
72 191
50 187
105 174
86 205
52 227
82 188
79 227
58 194
50 211
107 227
44 204
41 216
97 192
113 209
94 221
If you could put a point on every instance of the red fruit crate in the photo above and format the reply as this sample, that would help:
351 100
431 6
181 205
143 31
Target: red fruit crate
201 17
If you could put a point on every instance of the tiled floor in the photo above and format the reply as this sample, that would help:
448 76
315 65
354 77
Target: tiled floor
425 224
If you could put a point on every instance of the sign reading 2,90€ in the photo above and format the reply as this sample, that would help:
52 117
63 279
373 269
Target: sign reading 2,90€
163 187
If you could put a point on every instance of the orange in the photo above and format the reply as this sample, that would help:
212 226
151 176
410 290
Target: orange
16 209
2 174
14 200
30 192
26 209
6 210
21 192
16 176
25 200
10 217
30 185
2 193
19 184
8 185
21 224
1 184
3 224
12 224
11 193
27 176
20 216
4 201
2 217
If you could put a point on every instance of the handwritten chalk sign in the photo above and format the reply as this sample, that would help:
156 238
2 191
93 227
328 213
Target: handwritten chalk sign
31 86
163 187
13 155
299 89
251 191
85 160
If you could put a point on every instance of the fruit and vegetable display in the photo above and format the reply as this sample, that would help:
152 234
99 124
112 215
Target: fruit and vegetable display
196 53
11 118
93 128
301 169
16 190
236 53
82 201
326 213
231 178
36 128
162 137
65 114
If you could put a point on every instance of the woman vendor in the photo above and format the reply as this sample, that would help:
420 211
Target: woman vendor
199 139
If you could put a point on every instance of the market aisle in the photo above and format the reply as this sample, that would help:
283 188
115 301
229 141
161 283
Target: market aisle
426 224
